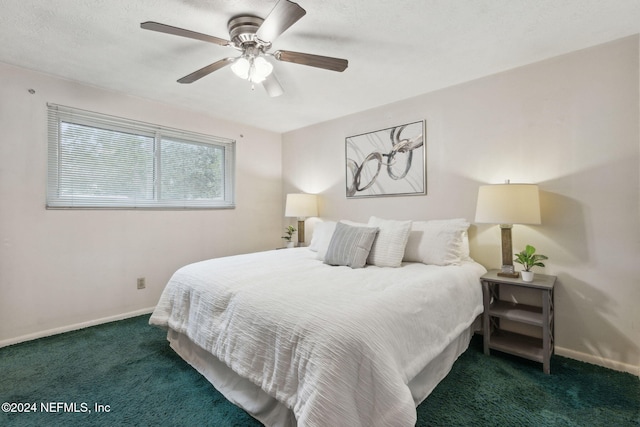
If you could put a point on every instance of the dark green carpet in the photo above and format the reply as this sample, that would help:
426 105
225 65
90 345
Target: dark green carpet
129 366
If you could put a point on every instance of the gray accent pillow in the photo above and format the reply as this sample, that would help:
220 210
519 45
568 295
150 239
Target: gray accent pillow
350 245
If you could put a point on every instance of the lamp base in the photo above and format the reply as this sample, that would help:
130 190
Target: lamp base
511 275
300 232
508 271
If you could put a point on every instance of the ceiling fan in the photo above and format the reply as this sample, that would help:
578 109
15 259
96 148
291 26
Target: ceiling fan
253 37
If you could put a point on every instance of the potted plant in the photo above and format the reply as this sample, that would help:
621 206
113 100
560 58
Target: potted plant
288 234
529 258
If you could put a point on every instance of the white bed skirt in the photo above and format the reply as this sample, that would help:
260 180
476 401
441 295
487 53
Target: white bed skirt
270 411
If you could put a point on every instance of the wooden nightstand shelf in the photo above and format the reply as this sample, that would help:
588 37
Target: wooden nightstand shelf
531 348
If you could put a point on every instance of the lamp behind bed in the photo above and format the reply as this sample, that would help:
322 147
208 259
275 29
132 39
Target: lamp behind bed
302 206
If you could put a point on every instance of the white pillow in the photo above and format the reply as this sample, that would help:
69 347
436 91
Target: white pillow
388 248
321 237
438 242
465 254
353 223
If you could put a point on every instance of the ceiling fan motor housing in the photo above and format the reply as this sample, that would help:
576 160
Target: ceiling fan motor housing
242 30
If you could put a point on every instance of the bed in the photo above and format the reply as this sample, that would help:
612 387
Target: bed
295 338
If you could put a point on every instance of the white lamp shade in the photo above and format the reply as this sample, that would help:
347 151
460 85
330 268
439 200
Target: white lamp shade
301 205
508 204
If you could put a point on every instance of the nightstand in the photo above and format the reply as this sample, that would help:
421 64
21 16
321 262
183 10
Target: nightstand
538 349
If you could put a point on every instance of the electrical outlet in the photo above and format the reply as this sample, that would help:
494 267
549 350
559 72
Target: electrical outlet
141 283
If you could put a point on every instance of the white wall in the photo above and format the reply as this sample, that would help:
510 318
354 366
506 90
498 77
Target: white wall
570 124
61 269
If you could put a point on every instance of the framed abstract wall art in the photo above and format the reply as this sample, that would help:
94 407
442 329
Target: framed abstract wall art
387 162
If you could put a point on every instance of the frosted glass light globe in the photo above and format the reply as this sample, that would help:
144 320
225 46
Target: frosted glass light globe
253 69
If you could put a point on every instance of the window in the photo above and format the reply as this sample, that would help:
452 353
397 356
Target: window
99 161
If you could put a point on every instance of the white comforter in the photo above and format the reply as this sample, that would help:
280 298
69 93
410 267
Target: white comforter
336 345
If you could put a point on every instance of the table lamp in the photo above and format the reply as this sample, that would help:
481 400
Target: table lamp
302 206
508 204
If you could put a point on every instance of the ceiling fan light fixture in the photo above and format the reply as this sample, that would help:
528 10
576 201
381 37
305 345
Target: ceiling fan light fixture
241 67
254 69
261 69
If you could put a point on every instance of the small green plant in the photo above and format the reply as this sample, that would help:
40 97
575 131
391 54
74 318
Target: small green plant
529 258
288 233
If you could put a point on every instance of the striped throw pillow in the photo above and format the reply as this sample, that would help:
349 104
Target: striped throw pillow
350 245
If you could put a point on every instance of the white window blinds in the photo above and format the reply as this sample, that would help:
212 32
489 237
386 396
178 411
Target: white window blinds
99 161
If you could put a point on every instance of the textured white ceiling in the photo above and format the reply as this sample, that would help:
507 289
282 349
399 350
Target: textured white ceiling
396 49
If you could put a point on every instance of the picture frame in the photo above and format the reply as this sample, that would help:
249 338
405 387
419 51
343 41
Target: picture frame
387 162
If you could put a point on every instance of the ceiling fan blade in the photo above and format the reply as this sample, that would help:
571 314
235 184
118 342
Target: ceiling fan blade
272 86
326 62
284 14
168 29
204 71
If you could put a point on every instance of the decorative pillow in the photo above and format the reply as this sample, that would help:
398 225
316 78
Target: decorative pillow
322 233
350 245
388 248
438 242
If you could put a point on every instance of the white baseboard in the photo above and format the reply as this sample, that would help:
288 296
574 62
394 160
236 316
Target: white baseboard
74 327
598 360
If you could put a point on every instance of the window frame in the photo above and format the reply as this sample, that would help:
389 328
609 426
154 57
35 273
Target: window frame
58 114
